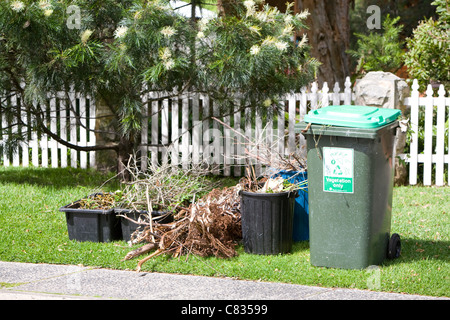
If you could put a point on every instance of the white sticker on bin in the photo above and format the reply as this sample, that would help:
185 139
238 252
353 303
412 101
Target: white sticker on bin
338 165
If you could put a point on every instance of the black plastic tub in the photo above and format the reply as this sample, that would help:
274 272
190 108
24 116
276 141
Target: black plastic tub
91 224
128 227
267 222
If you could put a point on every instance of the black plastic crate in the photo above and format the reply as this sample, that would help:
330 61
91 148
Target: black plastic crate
129 227
91 224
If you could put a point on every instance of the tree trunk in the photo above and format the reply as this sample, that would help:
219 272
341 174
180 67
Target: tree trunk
105 160
126 147
107 132
329 37
226 7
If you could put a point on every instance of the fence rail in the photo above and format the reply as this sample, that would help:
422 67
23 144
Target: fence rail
181 129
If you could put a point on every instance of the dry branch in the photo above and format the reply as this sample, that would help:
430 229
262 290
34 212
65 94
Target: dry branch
163 186
210 226
261 150
154 254
144 249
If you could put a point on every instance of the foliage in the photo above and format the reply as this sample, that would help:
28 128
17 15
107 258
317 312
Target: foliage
379 52
98 201
43 51
428 56
253 54
117 51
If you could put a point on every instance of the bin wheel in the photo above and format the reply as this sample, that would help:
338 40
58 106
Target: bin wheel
395 247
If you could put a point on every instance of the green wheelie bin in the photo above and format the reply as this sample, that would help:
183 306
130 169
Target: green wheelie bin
350 160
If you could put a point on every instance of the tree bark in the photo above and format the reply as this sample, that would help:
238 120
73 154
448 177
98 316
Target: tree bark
226 7
329 37
126 147
105 128
107 132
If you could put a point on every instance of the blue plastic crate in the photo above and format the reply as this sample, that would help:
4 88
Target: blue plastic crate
301 207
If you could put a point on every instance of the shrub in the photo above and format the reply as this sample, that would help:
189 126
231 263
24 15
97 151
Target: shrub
428 56
379 51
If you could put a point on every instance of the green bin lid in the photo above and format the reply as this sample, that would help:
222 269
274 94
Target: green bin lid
352 116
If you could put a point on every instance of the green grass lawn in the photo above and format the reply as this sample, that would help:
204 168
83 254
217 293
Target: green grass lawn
33 230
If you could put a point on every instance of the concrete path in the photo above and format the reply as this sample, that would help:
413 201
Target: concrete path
25 281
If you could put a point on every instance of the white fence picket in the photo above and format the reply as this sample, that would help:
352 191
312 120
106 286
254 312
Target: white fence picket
155 129
238 139
4 137
53 144
205 126
44 140
175 134
303 108
185 139
34 143
196 130
23 145
64 107
144 133
428 143
14 130
83 131
217 142
440 137
414 126
227 148
165 129
291 133
347 91
91 142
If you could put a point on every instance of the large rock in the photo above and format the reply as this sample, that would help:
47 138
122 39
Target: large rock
383 90
386 90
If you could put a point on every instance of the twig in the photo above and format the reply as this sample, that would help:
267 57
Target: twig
264 153
132 220
154 254
306 128
235 131
149 210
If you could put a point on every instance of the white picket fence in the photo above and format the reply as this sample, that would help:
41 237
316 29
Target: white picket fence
180 129
41 150
436 126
